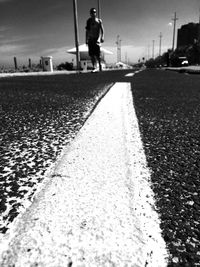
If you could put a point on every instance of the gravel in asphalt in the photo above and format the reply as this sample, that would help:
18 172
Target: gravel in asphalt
168 110
167 107
98 210
39 116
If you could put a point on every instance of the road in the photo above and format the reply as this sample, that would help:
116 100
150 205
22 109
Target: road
39 116
167 108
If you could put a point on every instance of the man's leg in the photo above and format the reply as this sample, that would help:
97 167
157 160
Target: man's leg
94 64
91 48
100 66
93 59
98 53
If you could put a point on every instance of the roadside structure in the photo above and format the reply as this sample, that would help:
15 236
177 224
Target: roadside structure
85 61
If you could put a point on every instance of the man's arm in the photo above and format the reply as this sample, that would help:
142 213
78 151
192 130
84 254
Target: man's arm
86 31
102 31
86 36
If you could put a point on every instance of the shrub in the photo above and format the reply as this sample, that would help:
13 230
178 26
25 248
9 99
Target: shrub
65 66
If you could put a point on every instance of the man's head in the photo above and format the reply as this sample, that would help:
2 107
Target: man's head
93 12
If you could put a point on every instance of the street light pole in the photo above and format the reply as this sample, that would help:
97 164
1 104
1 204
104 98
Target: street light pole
76 35
99 9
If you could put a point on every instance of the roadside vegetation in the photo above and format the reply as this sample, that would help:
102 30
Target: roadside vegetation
172 58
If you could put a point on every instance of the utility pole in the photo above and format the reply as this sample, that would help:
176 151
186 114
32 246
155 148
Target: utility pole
99 9
174 30
15 63
76 35
153 49
29 63
160 36
118 48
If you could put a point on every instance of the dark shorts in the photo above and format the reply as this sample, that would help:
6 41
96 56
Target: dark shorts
93 48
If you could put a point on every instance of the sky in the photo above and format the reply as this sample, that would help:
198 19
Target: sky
35 28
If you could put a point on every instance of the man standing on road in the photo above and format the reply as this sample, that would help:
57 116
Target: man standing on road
94 38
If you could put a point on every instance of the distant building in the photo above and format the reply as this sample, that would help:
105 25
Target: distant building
188 35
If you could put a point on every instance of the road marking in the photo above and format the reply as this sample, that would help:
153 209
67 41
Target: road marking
98 207
130 74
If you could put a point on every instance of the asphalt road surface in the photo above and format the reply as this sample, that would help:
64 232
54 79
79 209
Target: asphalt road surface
168 110
39 115
50 111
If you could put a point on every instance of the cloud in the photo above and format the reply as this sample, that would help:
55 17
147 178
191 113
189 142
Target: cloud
9 48
5 1
8 51
18 39
59 54
4 28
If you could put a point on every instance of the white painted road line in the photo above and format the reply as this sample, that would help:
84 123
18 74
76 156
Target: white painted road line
98 207
130 74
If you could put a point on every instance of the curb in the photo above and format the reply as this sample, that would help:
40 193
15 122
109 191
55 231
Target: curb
39 73
188 70
97 208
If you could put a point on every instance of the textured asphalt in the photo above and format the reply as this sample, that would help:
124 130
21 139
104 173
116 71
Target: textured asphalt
167 106
98 208
39 115
168 109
